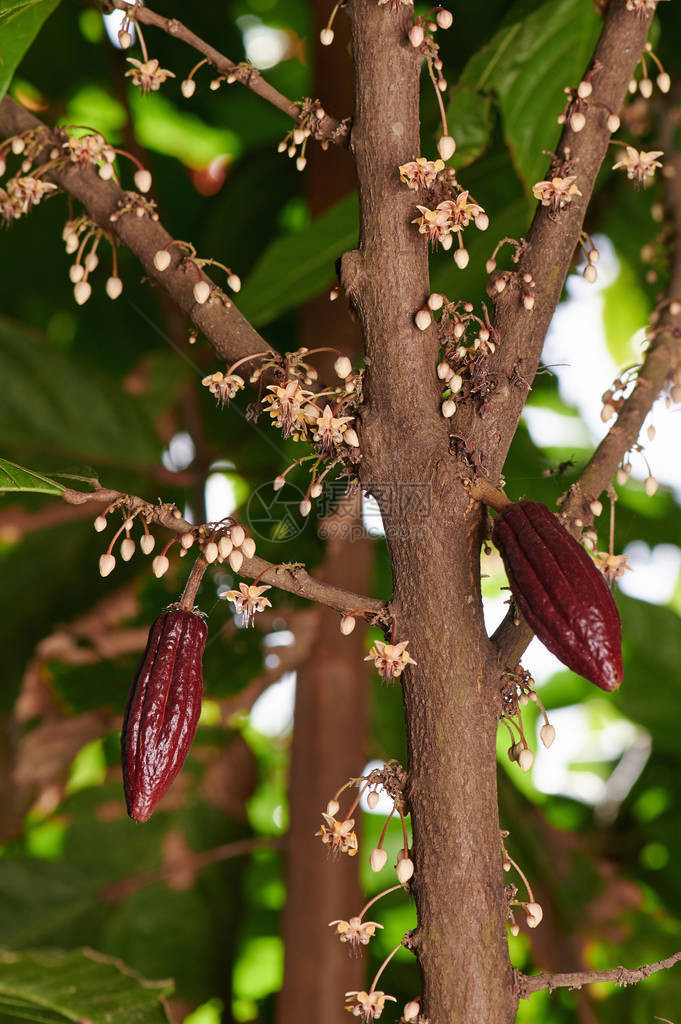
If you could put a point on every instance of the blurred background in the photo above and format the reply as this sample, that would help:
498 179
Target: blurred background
226 886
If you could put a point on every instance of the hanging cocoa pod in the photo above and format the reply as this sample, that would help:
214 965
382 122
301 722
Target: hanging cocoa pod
163 709
560 592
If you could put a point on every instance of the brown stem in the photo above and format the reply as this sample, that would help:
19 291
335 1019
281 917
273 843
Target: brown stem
618 975
481 490
193 583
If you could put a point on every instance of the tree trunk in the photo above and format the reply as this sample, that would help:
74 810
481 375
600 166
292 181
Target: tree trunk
434 535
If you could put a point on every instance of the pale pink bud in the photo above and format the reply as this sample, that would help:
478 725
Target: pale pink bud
596 507
372 800
147 543
215 84
651 486
444 371
416 35
446 147
423 319
613 123
225 548
584 89
332 808
114 287
651 432
316 490
514 929
343 367
278 482
455 383
91 262
301 163
186 540
201 292
444 18
461 258
622 477
500 284
525 759
347 624
162 259
350 437
236 560
412 1008
127 549
333 294
448 408
447 242
442 84
675 307
124 39
210 551
490 266
577 121
435 301
590 273
142 180
106 564
404 869
664 82
76 272
72 243
305 507
160 566
378 859
188 88
528 302
237 535
82 292
100 523
326 36
248 547
482 221
646 87
607 412
633 86
547 735
534 914
234 282
18 146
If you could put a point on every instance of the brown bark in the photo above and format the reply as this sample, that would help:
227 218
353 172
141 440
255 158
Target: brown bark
451 721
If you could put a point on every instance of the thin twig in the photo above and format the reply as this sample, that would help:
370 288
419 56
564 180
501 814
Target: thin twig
617 975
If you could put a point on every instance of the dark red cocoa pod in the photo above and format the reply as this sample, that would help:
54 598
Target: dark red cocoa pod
560 592
163 709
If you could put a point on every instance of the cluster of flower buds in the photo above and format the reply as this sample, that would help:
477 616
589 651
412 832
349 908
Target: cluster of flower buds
218 542
516 695
204 290
641 7
532 910
644 84
639 164
422 38
145 73
294 142
591 255
579 100
450 208
467 340
82 238
614 398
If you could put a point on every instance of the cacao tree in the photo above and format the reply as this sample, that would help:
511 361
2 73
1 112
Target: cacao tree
363 360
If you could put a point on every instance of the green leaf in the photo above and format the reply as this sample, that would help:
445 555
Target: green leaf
469 117
625 310
298 266
80 985
20 22
16 478
534 55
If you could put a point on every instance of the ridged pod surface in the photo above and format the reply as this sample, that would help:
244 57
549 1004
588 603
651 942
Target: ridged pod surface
163 709
560 592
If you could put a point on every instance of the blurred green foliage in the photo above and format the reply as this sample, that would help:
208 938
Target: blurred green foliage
102 390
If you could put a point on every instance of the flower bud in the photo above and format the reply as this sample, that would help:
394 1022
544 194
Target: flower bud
201 292
584 89
160 566
378 859
547 735
142 180
455 383
444 371
416 35
446 147
305 507
188 88
326 36
347 624
461 258
412 1008
114 287
332 808
162 259
106 564
482 221
622 477
596 507
316 489
372 800
607 412
490 266
651 485
675 307
237 535
444 18
613 123
82 292
423 319
18 146
448 408
210 552
528 302
404 869
525 759
350 437
577 121
301 163
186 540
651 432
342 367
534 914
215 84
590 273
646 88
100 523
236 560
664 82
248 547
127 549
91 262
147 543
76 272
278 482
124 39
234 282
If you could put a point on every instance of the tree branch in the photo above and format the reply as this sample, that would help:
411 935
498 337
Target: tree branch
230 334
291 578
618 975
326 128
